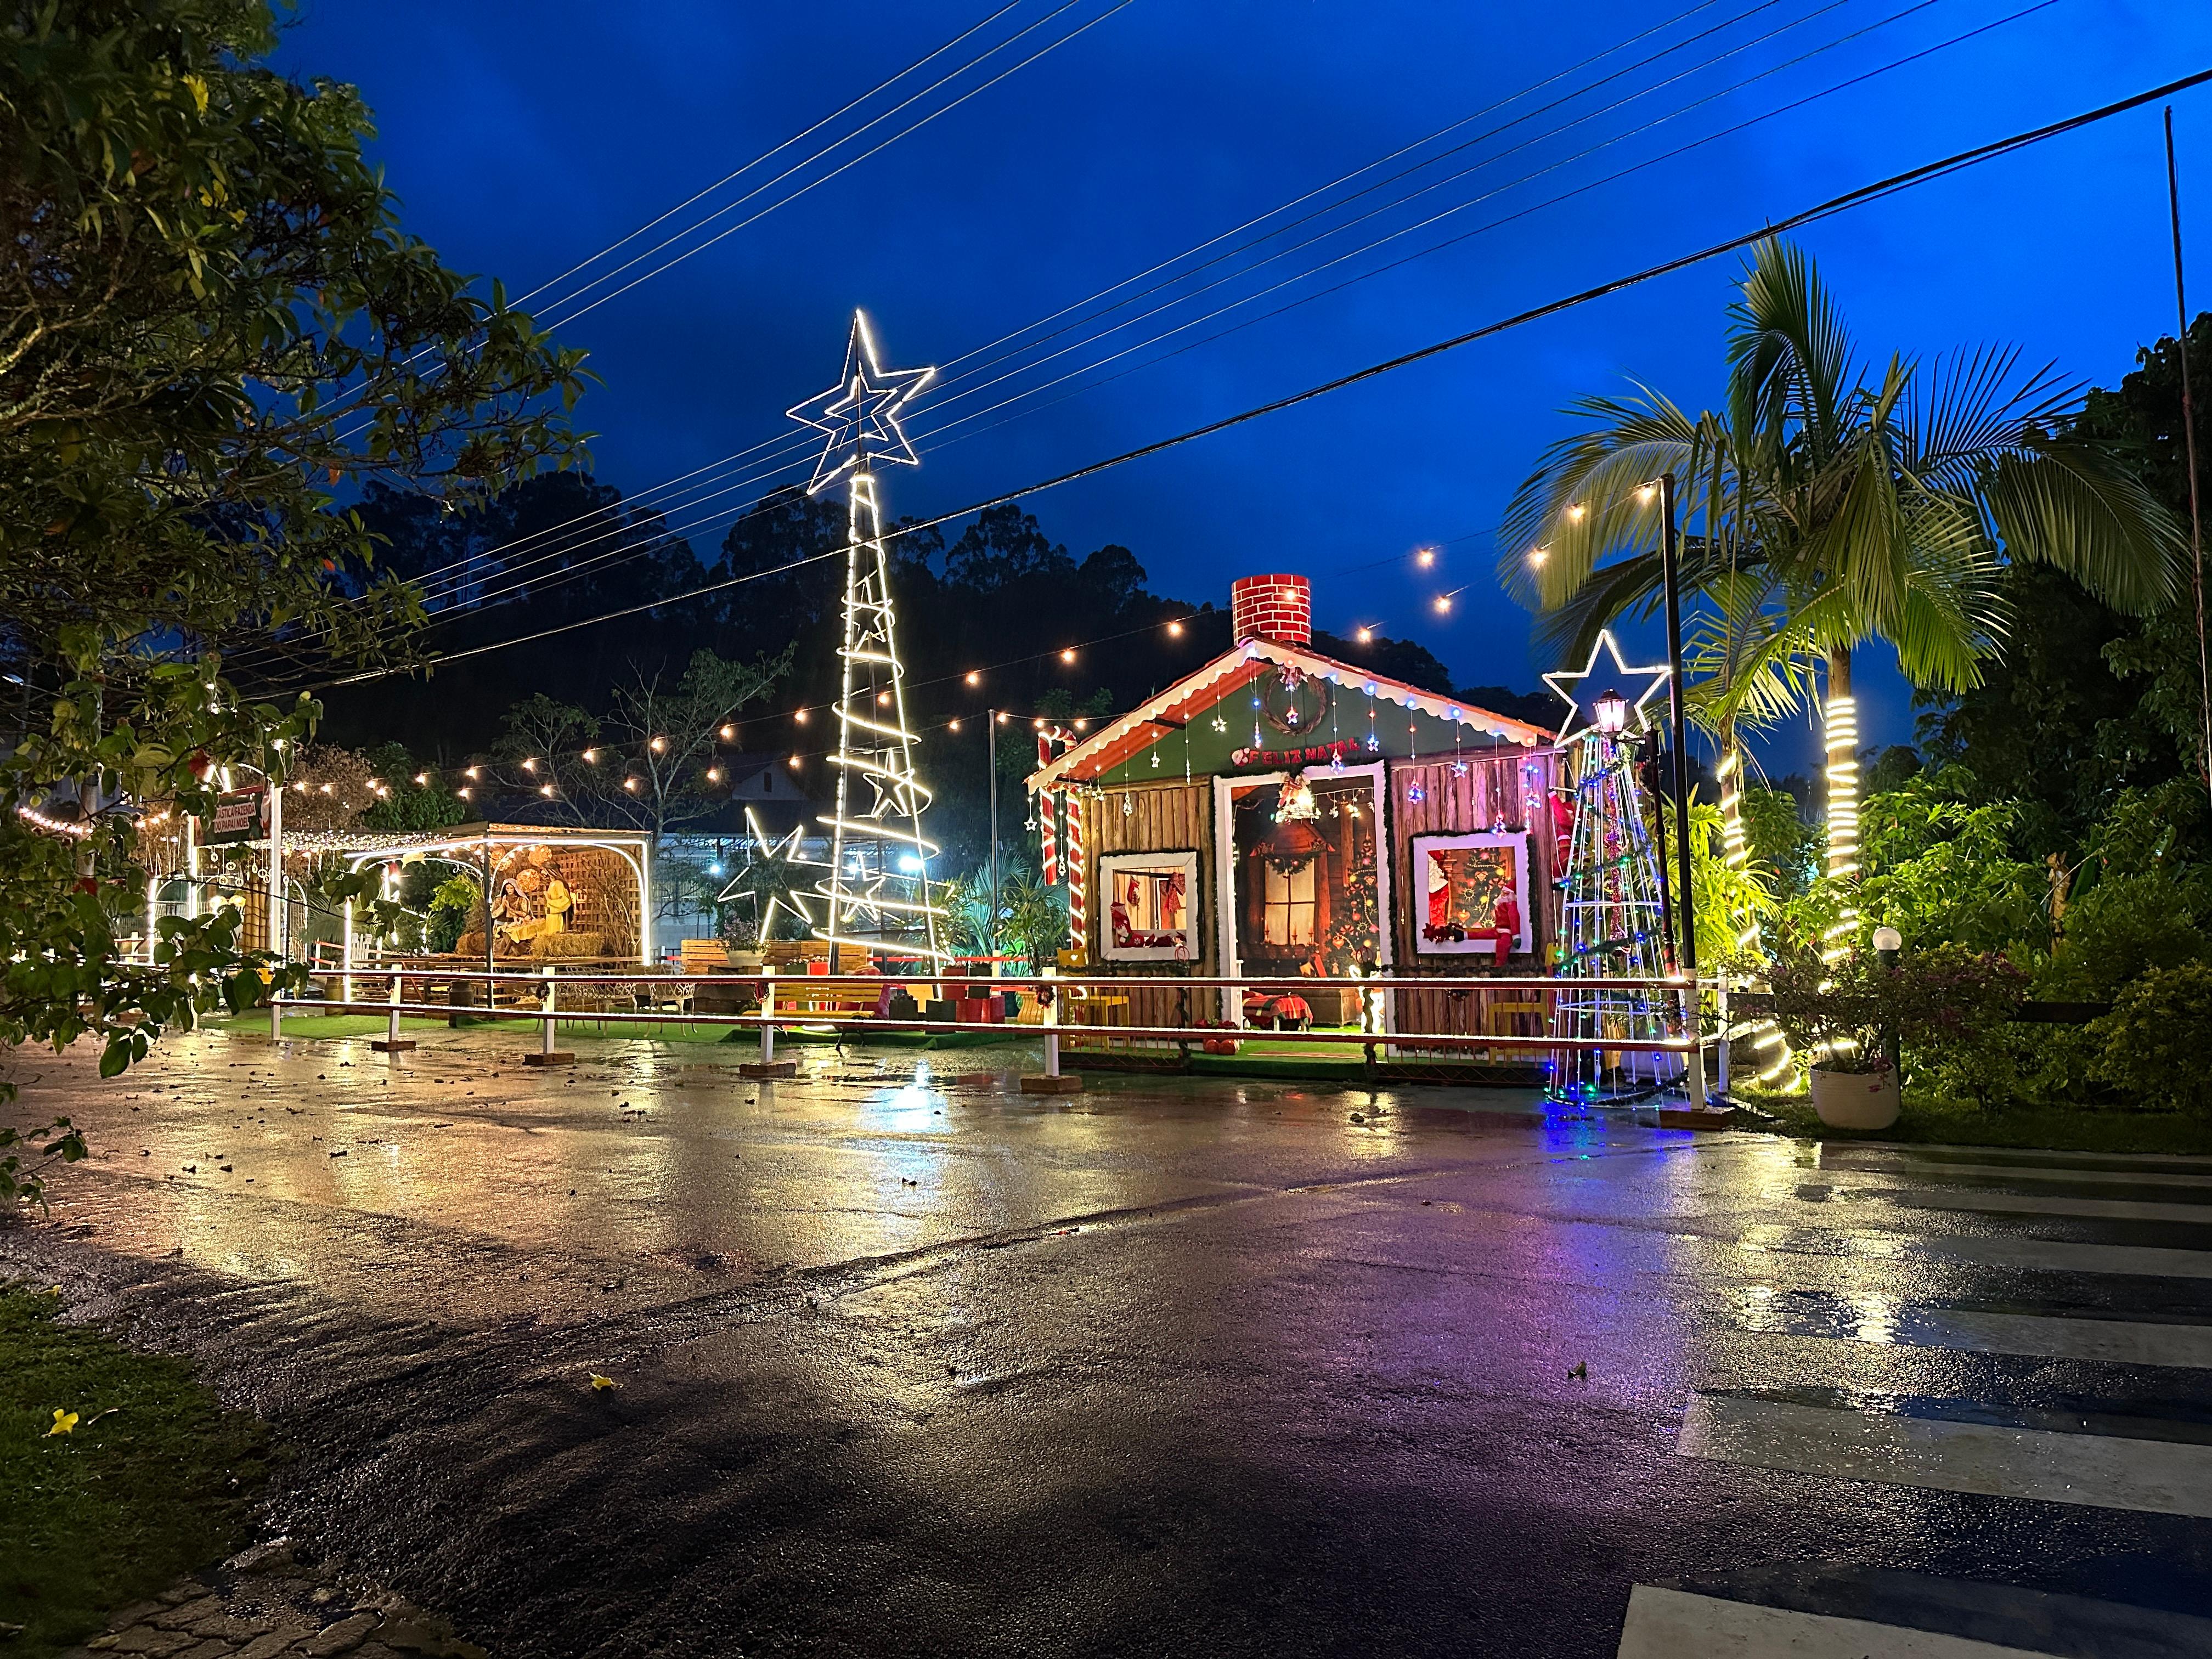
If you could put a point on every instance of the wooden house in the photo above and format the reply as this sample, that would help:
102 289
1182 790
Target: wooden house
1280 814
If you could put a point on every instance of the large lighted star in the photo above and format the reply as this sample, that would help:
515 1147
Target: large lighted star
861 411
1637 685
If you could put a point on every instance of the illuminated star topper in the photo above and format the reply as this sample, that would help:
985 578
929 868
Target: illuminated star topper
1635 686
861 412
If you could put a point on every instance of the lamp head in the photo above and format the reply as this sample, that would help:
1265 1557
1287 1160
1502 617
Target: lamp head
1888 939
1610 712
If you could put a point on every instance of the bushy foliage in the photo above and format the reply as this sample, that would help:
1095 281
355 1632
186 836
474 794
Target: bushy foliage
209 320
1940 869
2156 1040
1781 841
1945 998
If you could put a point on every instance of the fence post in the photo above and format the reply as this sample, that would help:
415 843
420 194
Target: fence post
1052 1021
1052 1080
768 1065
550 1052
391 1041
275 1016
1721 1059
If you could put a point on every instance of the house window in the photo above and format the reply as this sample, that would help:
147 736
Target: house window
1290 910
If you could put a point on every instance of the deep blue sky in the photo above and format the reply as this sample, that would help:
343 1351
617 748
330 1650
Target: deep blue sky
523 138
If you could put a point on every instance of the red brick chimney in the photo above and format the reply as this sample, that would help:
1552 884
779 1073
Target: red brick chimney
1278 608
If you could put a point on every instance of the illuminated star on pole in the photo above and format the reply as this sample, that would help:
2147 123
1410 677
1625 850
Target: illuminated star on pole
860 413
1582 691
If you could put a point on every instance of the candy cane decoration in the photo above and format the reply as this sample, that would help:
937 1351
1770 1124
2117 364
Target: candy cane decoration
1049 844
1079 891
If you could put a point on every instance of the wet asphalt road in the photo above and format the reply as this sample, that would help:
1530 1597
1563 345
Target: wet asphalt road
914 1365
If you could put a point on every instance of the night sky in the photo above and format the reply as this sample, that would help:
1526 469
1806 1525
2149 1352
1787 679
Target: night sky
523 139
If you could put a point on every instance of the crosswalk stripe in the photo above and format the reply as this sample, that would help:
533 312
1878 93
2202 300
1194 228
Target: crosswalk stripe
1668 1624
2064 1257
2102 1176
1937 1156
2114 1209
2105 1471
2117 1341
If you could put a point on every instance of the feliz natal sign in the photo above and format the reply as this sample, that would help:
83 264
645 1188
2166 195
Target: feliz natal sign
1266 759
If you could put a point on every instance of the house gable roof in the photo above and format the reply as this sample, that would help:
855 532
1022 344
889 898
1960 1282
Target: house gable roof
1123 740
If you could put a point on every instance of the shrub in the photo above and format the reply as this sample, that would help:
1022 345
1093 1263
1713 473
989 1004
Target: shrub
2156 1038
1947 999
2125 927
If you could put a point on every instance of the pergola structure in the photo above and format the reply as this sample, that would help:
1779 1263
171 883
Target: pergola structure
483 849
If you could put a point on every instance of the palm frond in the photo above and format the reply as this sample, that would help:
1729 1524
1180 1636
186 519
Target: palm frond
1788 353
2072 503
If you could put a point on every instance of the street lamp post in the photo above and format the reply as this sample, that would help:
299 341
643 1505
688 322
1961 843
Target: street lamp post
1670 559
991 758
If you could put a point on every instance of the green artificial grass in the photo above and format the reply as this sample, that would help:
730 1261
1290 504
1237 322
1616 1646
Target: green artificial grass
154 1481
2064 1129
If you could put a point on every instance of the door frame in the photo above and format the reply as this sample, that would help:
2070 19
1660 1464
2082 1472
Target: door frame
1230 1005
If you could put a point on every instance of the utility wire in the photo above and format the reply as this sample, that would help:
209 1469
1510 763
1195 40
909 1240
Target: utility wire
1859 197
1016 334
510 574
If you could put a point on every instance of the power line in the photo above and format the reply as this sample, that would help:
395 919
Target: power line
990 346
510 574
1859 197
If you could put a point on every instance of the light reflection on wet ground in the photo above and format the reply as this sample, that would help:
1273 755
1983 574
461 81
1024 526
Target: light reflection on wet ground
912 1363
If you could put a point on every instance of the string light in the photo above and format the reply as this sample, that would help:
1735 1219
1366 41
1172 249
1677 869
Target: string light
953 725
424 778
974 678
1426 557
800 717
1443 604
462 791
631 784
591 758
469 772
1069 655
545 789
714 774
729 734
530 765
1364 636
1537 556
659 745
75 829
1174 630
794 762
1575 511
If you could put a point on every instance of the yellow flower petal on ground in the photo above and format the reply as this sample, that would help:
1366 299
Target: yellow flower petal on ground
64 1422
603 1383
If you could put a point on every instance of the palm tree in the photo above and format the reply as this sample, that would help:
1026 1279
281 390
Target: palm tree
1826 509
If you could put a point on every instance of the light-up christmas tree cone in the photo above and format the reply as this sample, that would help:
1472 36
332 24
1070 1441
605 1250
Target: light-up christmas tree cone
876 893
1612 922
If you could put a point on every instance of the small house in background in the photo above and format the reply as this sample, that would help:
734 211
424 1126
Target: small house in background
1281 814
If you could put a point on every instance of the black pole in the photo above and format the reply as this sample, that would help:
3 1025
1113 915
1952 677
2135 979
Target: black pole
486 897
1659 821
991 757
1670 561
2189 444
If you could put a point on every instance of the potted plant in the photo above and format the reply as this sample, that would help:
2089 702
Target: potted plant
1847 1017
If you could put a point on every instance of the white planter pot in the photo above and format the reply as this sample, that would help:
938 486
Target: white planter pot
1855 1100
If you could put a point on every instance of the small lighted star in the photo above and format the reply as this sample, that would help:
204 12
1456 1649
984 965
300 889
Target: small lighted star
1582 691
861 410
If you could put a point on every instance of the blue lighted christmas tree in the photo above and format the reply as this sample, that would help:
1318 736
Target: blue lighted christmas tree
1612 918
